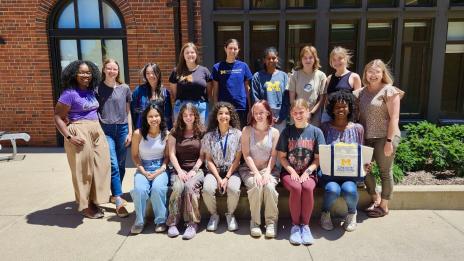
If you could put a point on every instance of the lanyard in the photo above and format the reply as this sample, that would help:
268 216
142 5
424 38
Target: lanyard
223 146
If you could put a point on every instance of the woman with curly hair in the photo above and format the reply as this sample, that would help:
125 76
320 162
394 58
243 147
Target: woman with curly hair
150 156
85 144
221 145
151 91
184 152
190 82
340 108
114 97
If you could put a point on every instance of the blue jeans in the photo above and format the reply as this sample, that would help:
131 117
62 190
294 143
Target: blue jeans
155 189
116 135
348 190
202 107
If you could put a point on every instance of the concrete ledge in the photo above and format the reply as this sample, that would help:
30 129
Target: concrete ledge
435 197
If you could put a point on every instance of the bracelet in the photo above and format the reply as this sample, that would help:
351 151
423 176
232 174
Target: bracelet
226 177
68 137
389 140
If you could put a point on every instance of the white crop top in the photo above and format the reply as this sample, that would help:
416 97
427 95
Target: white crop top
152 148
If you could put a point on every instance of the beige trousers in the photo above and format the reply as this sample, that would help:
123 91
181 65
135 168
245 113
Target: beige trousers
90 164
210 186
259 194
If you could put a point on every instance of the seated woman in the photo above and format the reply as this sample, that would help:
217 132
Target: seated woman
184 152
340 129
150 155
221 145
298 151
259 174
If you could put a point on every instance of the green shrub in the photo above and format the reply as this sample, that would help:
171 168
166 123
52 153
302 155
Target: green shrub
398 173
431 148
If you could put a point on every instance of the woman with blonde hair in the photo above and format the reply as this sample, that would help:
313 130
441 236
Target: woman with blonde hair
342 79
190 82
114 97
298 151
379 111
308 82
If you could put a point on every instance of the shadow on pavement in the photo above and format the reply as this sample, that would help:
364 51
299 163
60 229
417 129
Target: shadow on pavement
64 215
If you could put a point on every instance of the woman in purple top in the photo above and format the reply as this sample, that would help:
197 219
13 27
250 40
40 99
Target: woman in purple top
85 144
340 129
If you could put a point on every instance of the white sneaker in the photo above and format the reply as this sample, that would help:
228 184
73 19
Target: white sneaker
271 230
350 222
326 221
255 230
137 229
213 222
231 222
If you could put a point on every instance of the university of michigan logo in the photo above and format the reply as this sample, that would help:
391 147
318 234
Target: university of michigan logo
273 86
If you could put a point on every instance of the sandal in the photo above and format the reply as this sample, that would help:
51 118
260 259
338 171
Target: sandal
113 200
372 206
121 211
95 215
377 212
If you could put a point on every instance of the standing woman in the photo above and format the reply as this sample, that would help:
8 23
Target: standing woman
308 82
298 151
114 113
270 84
379 112
150 155
187 180
221 145
259 140
151 91
86 148
190 82
231 81
342 79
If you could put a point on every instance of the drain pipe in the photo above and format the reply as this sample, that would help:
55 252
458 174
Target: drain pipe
175 4
191 20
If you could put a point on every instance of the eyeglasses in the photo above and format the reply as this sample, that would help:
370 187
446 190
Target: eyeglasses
84 74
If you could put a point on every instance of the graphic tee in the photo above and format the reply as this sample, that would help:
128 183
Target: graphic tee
83 104
270 87
193 85
300 144
231 78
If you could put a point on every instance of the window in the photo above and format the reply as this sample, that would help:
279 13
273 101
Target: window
419 3
379 41
299 34
301 3
452 99
224 32
88 30
415 66
344 34
263 35
382 3
345 3
265 4
228 4
457 2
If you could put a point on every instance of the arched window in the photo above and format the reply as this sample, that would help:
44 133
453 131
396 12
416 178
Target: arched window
89 30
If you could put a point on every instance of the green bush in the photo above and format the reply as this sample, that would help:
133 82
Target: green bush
431 148
398 173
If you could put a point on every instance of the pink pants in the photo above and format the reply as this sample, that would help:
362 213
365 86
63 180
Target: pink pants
301 201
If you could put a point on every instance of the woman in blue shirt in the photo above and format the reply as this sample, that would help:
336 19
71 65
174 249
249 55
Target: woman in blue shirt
231 81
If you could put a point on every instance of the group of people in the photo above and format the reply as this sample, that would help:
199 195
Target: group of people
207 132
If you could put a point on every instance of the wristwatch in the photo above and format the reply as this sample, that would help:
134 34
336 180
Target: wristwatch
68 137
389 140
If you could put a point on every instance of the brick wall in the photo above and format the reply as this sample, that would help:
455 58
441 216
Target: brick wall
26 87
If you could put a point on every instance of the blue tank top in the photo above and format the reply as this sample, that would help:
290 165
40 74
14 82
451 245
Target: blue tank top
338 83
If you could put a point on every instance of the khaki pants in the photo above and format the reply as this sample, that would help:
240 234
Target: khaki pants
210 186
259 194
385 166
90 164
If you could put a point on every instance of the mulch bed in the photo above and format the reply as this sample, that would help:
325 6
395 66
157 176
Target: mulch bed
429 178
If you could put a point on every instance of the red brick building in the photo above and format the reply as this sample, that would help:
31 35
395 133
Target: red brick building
423 40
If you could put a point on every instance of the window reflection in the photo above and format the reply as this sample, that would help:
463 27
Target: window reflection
382 3
110 18
345 3
67 19
91 51
113 49
68 52
379 41
345 34
265 4
418 2
299 34
228 4
415 66
301 3
224 32
89 13
263 35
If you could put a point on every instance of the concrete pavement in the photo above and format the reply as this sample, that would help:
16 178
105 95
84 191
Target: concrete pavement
39 221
